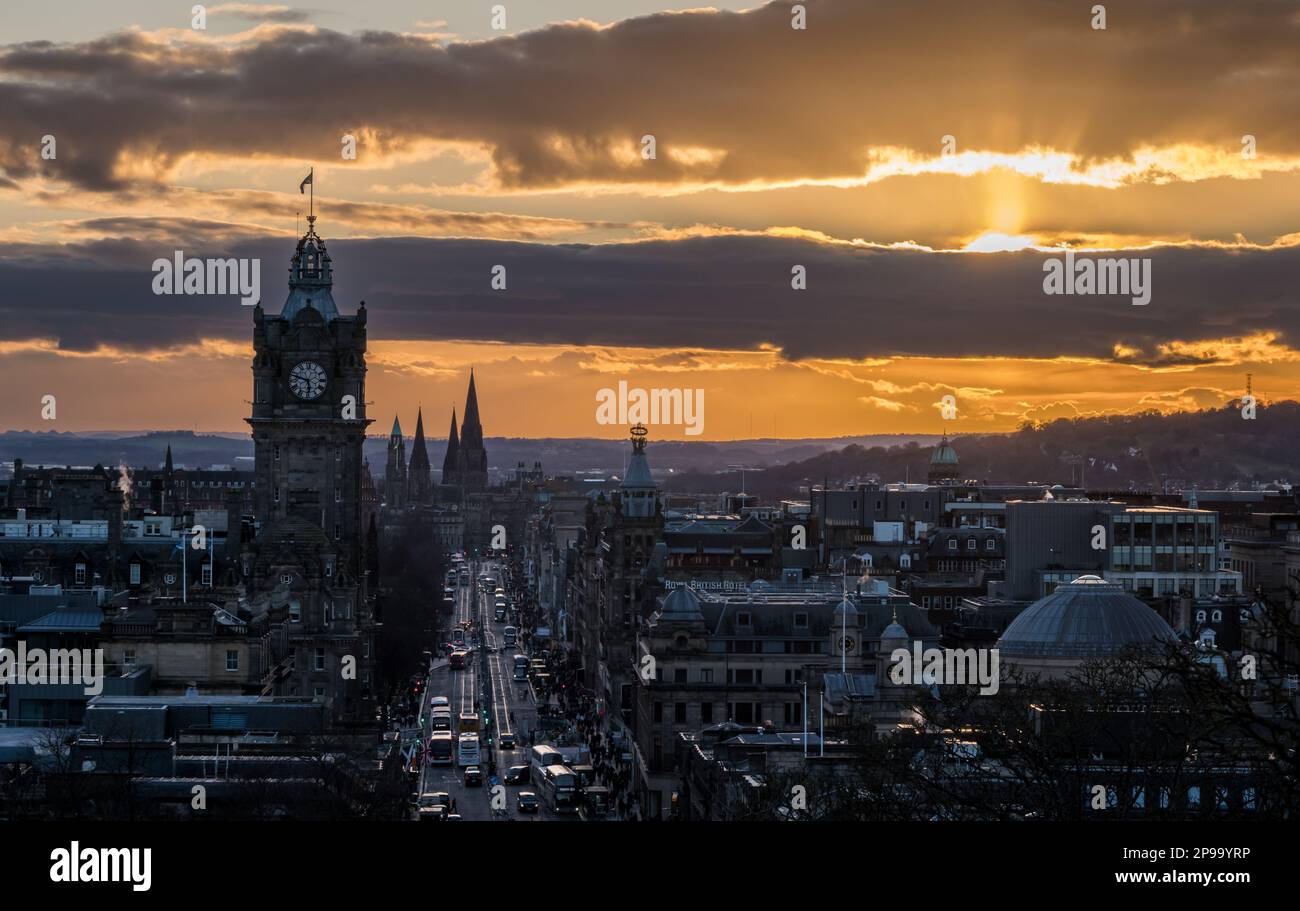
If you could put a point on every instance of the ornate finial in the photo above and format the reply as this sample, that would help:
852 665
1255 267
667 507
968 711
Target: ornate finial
639 434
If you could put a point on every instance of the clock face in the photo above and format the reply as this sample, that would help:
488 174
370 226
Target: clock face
307 380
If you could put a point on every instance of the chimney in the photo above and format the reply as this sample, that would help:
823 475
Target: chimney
156 494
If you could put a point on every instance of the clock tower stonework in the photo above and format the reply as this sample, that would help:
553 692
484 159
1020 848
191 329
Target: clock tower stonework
306 566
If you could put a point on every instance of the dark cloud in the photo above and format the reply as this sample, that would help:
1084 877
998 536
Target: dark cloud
717 292
260 12
570 102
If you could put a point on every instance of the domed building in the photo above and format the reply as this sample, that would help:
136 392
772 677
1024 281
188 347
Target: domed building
944 467
1086 618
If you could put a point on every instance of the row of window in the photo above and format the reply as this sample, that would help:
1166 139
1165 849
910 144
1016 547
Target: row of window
738 675
788 647
739 712
990 544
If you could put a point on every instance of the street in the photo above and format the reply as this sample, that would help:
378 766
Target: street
512 703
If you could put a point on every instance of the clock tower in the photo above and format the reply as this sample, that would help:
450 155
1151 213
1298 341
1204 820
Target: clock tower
309 405
305 569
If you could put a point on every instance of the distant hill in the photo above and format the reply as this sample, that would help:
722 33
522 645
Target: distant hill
1206 449
557 455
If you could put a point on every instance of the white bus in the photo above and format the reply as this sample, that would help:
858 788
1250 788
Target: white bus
440 748
467 750
540 758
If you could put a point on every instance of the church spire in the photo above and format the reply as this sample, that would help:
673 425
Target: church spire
451 461
419 476
472 463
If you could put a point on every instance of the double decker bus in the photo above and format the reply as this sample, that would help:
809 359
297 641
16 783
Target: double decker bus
457 660
559 789
521 667
469 723
540 758
511 634
467 750
440 748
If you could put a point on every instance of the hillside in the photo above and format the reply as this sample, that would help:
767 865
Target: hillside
1207 449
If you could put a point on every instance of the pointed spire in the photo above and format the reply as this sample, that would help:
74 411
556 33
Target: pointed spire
419 454
167 463
450 461
397 428
470 428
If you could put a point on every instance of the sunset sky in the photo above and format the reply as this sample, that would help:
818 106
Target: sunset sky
1171 135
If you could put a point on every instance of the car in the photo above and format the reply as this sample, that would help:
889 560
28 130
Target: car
435 799
473 777
507 741
433 814
516 774
453 817
526 802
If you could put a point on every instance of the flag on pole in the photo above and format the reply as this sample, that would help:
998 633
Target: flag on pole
306 180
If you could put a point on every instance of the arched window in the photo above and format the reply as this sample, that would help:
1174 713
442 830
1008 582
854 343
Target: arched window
1200 616
1217 616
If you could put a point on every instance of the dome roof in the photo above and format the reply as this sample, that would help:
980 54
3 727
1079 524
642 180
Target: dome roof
682 606
895 630
943 454
846 607
1088 617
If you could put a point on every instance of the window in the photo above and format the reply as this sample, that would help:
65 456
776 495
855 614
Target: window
329 568
232 660
743 675
318 693
970 543
679 713
1217 616
990 544
658 712
1200 616
905 561
793 713
801 619
706 675
286 578
318 662
679 675
925 504
706 712
128 657
135 573
952 543
81 573
205 575
743 618
277 493
295 612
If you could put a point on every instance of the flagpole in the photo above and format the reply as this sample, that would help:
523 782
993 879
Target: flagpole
185 544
